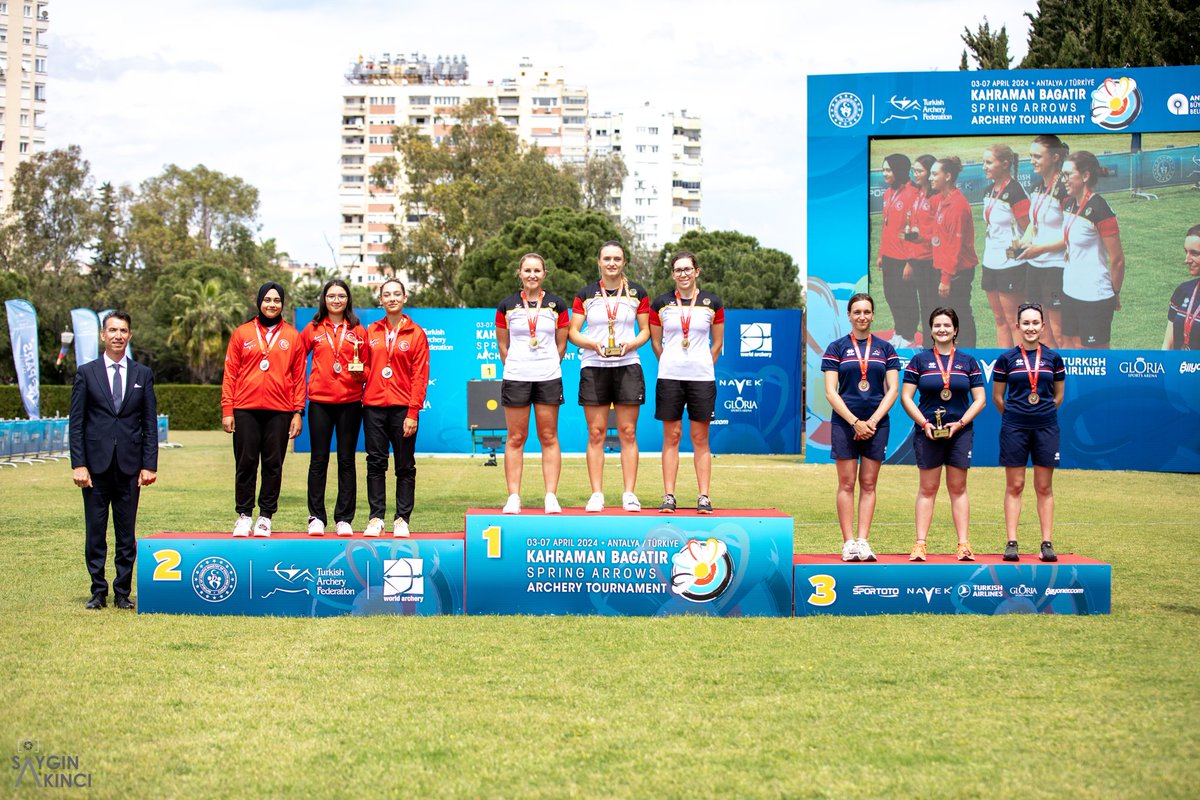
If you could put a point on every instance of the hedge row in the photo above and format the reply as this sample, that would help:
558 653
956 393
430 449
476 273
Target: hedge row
190 407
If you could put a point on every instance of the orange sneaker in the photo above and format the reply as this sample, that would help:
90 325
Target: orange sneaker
918 552
964 552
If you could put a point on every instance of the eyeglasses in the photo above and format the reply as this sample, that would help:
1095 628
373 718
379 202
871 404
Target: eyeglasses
336 297
684 270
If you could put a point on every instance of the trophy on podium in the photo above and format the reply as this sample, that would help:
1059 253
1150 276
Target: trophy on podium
612 348
939 430
356 365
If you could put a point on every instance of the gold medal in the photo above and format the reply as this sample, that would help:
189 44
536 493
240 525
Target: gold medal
533 344
685 343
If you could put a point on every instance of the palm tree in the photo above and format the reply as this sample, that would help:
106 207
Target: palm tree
209 311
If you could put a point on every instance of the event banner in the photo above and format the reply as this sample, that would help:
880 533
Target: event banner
296 575
22 332
86 326
733 564
1073 585
1137 130
758 383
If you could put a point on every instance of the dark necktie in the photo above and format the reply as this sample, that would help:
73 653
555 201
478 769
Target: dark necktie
117 389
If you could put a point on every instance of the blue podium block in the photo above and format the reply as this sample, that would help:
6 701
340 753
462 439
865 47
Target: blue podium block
732 563
942 585
295 575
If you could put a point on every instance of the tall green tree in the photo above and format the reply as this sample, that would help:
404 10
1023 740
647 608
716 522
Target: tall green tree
463 190
569 240
743 273
988 49
599 177
208 311
1112 33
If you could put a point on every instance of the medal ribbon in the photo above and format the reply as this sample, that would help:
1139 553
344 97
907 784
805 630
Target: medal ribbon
992 195
389 343
1067 223
337 348
532 319
271 338
864 358
1042 197
1189 318
945 373
613 308
1033 373
685 320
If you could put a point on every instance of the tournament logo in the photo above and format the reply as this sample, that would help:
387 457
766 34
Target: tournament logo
845 110
756 339
701 571
214 579
403 579
1116 104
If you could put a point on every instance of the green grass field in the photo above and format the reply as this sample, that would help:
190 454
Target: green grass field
1151 234
901 706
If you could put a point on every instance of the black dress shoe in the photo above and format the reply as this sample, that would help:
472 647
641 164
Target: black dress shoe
97 602
123 602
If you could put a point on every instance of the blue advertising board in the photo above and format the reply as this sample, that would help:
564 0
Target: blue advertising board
759 398
733 563
295 575
989 585
1118 402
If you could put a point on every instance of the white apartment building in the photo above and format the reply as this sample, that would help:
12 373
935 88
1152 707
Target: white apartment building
23 51
381 94
660 200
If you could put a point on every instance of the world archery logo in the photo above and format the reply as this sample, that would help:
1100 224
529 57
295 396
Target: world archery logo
701 571
1116 104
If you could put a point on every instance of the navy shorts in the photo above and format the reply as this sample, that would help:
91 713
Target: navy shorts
602 386
671 396
1018 446
1010 279
952 452
843 446
522 394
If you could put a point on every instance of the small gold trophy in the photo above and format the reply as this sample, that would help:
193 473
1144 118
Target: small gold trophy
1014 249
909 234
355 365
612 349
939 431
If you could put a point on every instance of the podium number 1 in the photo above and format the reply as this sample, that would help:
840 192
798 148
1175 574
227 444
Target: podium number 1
492 537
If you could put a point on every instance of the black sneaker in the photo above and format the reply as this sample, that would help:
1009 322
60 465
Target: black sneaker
668 504
1011 553
703 504
1048 553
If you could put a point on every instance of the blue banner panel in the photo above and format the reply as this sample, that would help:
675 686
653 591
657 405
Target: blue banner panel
295 575
22 333
942 585
732 564
758 383
86 326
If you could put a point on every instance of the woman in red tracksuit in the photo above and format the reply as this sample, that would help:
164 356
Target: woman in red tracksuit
335 387
954 246
899 284
397 378
262 405
920 246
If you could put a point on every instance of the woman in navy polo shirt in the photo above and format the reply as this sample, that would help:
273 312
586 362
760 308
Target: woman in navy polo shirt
1027 389
861 384
952 395
1184 308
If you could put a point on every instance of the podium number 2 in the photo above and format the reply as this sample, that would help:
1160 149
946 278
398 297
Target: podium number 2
823 593
492 537
168 565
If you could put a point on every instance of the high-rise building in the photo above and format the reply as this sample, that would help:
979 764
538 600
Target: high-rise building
22 86
660 200
538 105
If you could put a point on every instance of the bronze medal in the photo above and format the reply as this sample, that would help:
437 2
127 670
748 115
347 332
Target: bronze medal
864 386
946 394
1034 398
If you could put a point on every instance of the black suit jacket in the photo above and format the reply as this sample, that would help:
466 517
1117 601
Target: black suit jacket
100 433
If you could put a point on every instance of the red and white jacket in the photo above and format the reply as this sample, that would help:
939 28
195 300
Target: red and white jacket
330 344
409 363
246 385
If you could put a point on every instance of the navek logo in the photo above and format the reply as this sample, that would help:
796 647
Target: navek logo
930 592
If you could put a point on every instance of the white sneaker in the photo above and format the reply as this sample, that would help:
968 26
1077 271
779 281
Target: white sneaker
552 506
629 502
262 528
374 528
513 506
344 529
850 550
400 529
865 553
595 503
315 527
241 528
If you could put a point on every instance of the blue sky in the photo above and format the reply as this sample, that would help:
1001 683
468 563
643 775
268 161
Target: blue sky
252 87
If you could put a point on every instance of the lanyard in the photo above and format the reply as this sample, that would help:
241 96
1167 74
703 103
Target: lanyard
1189 318
945 371
864 360
992 196
1042 198
272 336
337 349
391 337
685 320
1067 223
532 319
1033 371
612 309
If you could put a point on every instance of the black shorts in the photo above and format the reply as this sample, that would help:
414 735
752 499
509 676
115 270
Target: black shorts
670 397
1090 320
602 386
1018 446
1010 279
522 394
952 452
843 446
1044 285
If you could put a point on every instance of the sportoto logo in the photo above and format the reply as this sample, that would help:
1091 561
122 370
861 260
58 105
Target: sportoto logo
214 579
845 110
701 571
1116 104
756 339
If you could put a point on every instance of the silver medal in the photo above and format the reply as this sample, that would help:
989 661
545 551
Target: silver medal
386 372
264 365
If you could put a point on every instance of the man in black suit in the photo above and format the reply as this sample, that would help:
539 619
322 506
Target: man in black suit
114 452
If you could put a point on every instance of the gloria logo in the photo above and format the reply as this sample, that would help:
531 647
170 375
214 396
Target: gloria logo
1141 368
845 109
701 571
214 579
756 339
1116 103
403 579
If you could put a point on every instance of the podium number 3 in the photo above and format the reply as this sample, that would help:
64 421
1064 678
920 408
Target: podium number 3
168 565
492 537
823 593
